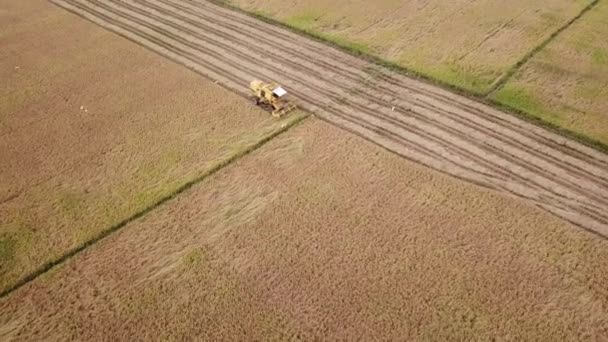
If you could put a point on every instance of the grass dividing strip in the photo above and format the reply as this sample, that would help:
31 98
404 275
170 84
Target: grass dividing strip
538 121
481 97
76 250
502 80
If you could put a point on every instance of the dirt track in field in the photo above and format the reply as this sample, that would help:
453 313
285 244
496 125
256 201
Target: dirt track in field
415 120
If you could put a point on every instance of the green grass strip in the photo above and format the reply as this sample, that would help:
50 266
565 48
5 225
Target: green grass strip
481 97
104 234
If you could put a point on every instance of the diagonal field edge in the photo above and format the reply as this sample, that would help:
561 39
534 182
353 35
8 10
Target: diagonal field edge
142 213
238 88
115 228
481 97
502 80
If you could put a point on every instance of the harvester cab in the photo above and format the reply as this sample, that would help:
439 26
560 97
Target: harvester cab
271 96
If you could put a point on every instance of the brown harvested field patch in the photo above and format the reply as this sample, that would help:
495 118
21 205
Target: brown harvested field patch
94 129
465 43
320 235
567 83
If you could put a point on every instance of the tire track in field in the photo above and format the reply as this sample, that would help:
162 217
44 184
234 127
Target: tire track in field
173 5
288 51
199 49
216 69
244 30
334 96
420 88
161 20
418 121
126 5
296 66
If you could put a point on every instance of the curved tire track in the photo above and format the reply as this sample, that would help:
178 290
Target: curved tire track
239 37
423 123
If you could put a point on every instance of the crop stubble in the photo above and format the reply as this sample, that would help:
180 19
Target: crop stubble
416 120
320 235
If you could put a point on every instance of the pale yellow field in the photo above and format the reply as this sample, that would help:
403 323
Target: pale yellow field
567 83
321 235
465 43
85 145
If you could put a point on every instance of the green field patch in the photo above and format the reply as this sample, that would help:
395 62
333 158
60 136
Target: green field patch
14 239
587 124
310 22
7 251
306 20
600 56
349 44
523 99
473 80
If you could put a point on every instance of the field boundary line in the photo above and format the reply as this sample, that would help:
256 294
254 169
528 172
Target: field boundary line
506 76
480 97
184 187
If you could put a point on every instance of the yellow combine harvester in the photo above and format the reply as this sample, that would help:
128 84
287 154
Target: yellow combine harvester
271 96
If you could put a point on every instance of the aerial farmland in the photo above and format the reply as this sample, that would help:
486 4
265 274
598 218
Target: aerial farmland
566 82
475 45
443 175
465 43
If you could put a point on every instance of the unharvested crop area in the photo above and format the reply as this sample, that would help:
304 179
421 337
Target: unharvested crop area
567 83
465 43
95 129
319 234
